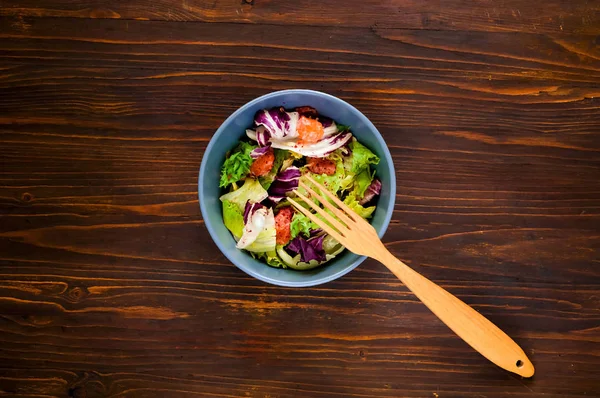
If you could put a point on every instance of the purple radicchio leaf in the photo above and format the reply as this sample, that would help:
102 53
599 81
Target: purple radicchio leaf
315 232
329 126
250 209
278 123
317 150
286 181
311 249
262 136
258 152
331 144
325 121
372 190
294 245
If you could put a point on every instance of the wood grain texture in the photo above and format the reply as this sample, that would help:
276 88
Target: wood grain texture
575 16
111 286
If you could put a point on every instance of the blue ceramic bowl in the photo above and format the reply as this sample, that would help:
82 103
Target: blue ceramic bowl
227 137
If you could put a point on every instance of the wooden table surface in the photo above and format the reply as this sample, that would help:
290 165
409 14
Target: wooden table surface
111 286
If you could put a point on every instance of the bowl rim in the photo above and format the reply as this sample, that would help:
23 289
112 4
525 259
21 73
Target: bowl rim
317 280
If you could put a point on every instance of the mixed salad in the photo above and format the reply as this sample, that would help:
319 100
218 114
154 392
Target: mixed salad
260 173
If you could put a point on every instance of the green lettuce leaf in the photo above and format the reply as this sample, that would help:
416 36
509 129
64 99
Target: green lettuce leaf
233 218
271 258
288 260
251 191
301 225
332 247
274 261
237 165
362 182
352 202
362 157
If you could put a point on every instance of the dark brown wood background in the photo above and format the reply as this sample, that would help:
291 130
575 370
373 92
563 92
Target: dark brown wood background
111 286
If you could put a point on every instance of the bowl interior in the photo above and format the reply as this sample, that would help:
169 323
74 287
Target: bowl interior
227 137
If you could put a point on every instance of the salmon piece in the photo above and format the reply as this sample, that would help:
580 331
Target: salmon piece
283 220
309 130
263 165
321 166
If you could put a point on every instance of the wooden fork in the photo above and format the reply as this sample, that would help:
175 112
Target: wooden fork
358 236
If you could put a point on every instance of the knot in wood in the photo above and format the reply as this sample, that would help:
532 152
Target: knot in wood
77 392
76 294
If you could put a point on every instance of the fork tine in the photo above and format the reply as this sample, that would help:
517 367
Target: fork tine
340 214
335 199
326 227
328 217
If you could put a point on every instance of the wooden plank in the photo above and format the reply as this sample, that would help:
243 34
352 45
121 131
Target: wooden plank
253 49
553 16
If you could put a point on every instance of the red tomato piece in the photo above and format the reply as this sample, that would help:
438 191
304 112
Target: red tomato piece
321 166
283 220
263 165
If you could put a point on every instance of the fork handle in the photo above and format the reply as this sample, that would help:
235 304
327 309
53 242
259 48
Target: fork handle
468 324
